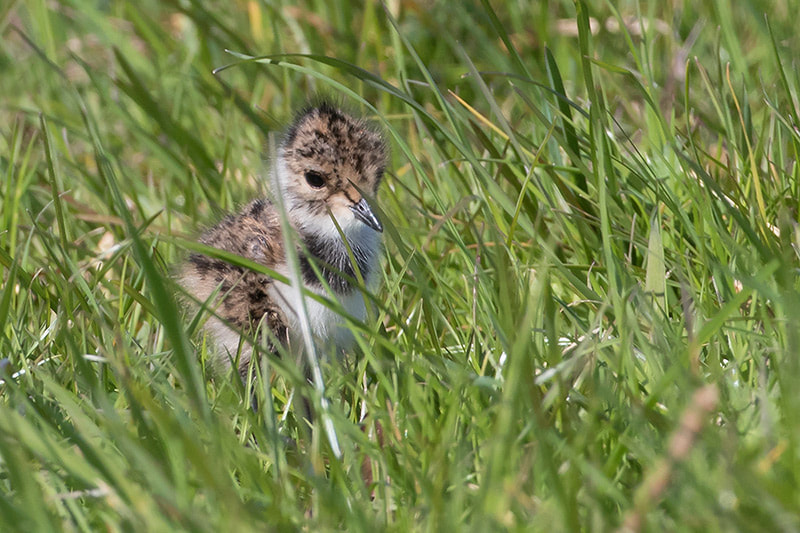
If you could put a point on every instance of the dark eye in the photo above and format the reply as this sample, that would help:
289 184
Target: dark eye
315 179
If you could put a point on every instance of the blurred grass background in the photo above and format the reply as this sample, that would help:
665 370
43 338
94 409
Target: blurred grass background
589 317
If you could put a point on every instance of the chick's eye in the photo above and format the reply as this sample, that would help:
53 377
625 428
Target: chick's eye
315 179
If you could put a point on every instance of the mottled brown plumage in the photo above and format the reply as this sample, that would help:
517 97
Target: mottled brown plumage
325 163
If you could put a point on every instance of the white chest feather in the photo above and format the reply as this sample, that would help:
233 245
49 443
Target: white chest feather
326 321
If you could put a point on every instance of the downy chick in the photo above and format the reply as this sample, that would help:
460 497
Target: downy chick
324 164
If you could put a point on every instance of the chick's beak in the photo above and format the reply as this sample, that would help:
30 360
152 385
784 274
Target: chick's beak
363 213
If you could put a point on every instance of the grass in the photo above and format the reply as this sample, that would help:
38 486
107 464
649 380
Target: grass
589 317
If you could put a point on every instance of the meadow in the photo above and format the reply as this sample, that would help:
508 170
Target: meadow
589 310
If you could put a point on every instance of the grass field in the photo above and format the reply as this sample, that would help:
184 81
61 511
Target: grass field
589 314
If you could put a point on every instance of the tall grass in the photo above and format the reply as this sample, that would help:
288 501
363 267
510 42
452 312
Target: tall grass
589 317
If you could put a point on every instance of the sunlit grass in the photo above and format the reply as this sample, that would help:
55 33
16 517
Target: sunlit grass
589 316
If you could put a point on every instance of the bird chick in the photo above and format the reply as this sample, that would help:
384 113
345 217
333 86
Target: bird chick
325 164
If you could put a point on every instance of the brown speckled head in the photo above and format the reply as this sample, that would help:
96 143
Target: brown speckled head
327 160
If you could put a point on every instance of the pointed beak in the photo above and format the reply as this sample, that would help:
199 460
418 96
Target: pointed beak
363 213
